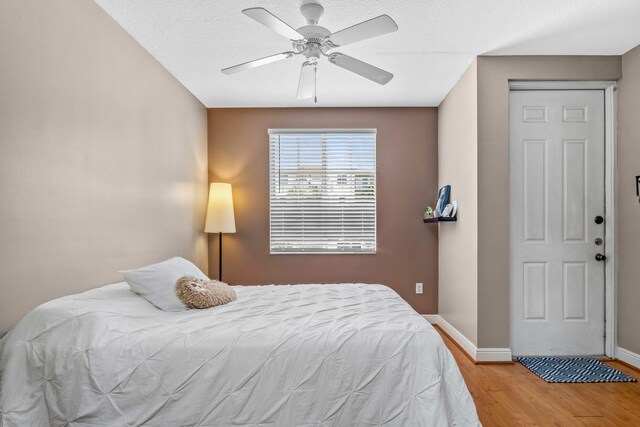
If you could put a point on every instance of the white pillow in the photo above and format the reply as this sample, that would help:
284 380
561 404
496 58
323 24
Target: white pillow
157 282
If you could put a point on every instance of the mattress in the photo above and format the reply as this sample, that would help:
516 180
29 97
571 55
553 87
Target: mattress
299 355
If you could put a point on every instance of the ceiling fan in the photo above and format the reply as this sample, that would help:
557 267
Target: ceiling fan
313 41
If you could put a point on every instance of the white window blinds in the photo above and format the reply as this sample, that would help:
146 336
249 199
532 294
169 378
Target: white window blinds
323 190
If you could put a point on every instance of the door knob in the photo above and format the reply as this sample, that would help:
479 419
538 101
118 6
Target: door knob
600 257
599 220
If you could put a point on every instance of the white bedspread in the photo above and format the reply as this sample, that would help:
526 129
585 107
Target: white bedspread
302 355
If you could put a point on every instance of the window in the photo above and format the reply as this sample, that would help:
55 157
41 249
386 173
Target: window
323 190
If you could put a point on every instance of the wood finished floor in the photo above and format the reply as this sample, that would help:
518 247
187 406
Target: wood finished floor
510 395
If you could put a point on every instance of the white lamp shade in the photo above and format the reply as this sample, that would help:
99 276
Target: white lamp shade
220 218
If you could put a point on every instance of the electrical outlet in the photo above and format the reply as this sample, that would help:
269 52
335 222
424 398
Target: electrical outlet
418 288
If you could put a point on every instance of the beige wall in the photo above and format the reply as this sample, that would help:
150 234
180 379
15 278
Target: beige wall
494 74
628 206
407 154
458 241
103 155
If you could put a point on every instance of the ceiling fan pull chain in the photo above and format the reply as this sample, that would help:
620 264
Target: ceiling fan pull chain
315 84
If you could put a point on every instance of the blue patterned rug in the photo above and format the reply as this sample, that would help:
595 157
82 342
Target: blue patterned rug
573 370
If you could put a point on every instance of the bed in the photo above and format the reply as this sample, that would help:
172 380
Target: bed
300 355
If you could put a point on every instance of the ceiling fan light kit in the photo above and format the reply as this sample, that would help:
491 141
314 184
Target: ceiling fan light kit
313 41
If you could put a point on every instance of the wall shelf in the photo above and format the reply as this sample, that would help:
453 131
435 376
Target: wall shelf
441 219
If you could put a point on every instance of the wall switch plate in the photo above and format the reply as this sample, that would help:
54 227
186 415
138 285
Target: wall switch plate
418 288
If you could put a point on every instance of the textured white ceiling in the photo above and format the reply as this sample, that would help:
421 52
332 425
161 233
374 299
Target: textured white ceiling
436 42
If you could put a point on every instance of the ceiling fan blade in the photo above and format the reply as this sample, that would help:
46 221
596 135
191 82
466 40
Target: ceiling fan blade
354 65
374 27
272 22
257 62
307 83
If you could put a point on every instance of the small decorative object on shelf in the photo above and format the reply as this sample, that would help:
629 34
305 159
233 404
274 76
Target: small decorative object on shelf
428 213
442 200
444 211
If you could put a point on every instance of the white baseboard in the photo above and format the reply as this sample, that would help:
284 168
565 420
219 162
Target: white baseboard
629 357
464 342
494 355
432 318
477 354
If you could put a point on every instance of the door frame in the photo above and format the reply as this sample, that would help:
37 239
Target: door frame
610 142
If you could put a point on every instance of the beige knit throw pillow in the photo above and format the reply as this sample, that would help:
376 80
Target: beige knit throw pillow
199 293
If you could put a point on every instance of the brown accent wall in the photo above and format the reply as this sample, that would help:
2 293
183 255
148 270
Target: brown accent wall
103 155
407 178
628 207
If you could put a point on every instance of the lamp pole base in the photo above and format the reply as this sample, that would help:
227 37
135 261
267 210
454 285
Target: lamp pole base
220 257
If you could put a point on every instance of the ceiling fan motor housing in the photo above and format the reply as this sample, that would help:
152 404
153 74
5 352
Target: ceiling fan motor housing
314 33
315 37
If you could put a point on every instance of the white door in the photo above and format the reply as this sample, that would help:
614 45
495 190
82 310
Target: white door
557 168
